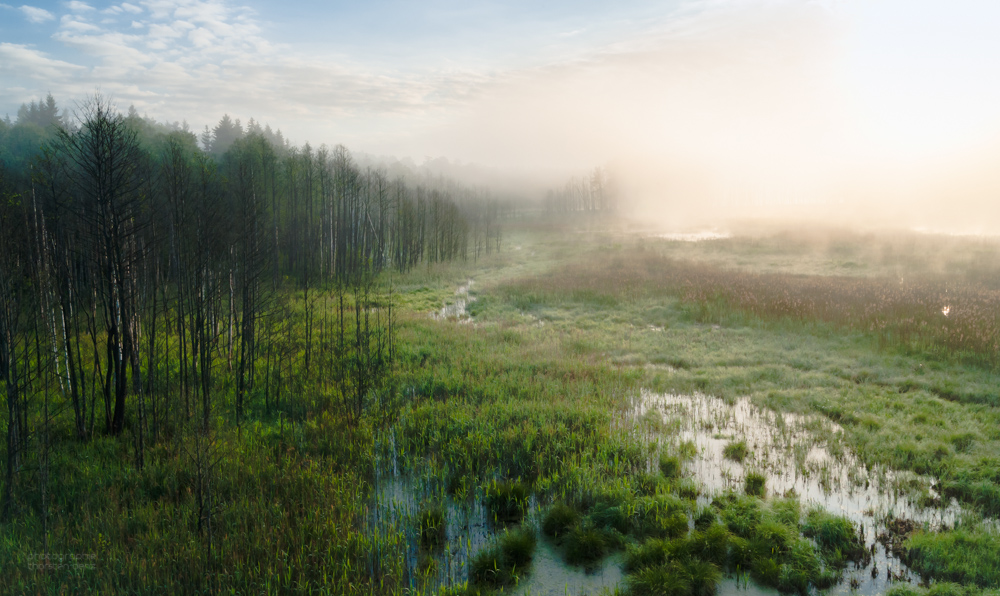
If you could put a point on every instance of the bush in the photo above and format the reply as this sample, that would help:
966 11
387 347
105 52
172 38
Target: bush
499 564
836 536
518 546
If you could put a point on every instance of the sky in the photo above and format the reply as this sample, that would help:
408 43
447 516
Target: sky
746 101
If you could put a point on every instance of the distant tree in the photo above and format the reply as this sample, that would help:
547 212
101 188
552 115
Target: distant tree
43 113
225 133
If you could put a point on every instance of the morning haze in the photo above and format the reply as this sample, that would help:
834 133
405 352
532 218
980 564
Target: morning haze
685 298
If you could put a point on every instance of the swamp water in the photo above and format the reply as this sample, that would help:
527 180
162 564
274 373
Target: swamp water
396 510
456 311
800 455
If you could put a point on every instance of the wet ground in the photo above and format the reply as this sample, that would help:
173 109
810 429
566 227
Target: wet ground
456 310
798 455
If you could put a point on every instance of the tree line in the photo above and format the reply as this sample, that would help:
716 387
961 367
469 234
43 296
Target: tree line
149 281
593 191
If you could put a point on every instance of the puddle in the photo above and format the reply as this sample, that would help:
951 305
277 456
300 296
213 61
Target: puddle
456 311
801 454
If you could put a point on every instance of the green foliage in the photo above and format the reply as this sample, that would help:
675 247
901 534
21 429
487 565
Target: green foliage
964 555
837 536
585 546
690 578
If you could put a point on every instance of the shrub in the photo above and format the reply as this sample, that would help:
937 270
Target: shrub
836 536
498 564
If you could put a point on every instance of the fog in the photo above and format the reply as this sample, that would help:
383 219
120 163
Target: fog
863 114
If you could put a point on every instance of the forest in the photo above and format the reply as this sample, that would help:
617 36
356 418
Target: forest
148 282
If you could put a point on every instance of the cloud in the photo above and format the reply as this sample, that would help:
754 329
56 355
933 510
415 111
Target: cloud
18 60
77 6
36 15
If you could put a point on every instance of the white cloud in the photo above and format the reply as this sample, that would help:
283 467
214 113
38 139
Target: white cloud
20 60
77 6
201 58
36 15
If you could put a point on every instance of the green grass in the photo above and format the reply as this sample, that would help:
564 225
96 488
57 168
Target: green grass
527 402
670 466
837 536
433 526
559 520
504 561
964 555
735 450
755 484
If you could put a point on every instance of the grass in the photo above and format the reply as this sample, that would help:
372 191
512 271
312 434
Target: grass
964 555
527 403
735 450
559 520
501 563
585 546
670 466
837 536
433 526
507 500
755 484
